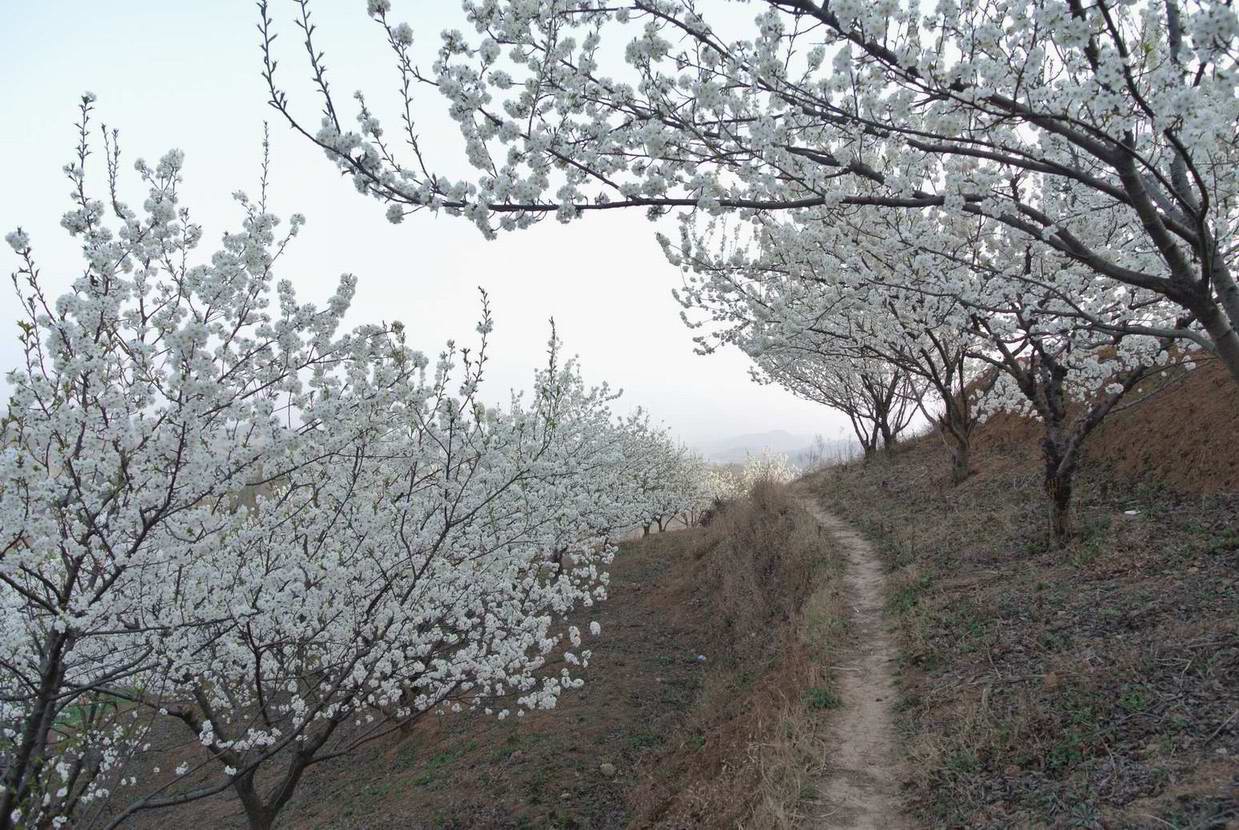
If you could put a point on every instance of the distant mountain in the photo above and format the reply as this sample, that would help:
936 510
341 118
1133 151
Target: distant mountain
826 451
801 449
737 448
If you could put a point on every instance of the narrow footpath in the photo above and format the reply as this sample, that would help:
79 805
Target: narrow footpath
859 785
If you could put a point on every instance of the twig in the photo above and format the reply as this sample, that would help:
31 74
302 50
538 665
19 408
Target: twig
1218 731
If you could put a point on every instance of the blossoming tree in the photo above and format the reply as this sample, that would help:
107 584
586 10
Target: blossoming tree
808 299
223 518
878 397
661 471
765 466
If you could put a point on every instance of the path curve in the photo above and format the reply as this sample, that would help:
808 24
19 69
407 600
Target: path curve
860 780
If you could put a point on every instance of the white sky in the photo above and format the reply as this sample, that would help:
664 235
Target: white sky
186 74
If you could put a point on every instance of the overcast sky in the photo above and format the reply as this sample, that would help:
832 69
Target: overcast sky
186 75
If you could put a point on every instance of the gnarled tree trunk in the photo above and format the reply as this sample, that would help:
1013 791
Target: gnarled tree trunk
961 460
1042 377
1061 459
955 426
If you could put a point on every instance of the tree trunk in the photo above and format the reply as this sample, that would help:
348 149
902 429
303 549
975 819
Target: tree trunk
961 460
25 765
884 427
260 821
1222 332
258 816
1058 488
1061 455
955 426
645 531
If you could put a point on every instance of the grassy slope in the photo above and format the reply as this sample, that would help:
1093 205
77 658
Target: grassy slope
767 588
1095 686
748 593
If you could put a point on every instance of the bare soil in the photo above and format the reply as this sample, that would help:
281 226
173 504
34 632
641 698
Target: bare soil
860 784
1177 431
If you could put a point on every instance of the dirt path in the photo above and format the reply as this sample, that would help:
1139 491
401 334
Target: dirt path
860 780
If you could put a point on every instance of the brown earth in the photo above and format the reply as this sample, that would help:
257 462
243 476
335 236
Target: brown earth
861 781
1177 430
1183 435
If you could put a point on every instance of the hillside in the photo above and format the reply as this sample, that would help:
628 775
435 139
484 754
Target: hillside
775 669
1094 686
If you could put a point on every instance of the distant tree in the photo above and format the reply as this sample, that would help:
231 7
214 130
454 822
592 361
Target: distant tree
824 452
765 466
879 399
660 472
799 302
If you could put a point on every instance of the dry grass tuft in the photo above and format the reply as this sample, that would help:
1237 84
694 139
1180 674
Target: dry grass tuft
753 743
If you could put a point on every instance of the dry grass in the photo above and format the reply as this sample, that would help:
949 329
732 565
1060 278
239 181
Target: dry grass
790 760
754 744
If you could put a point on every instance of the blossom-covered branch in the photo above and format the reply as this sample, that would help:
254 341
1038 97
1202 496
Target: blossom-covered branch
1036 117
